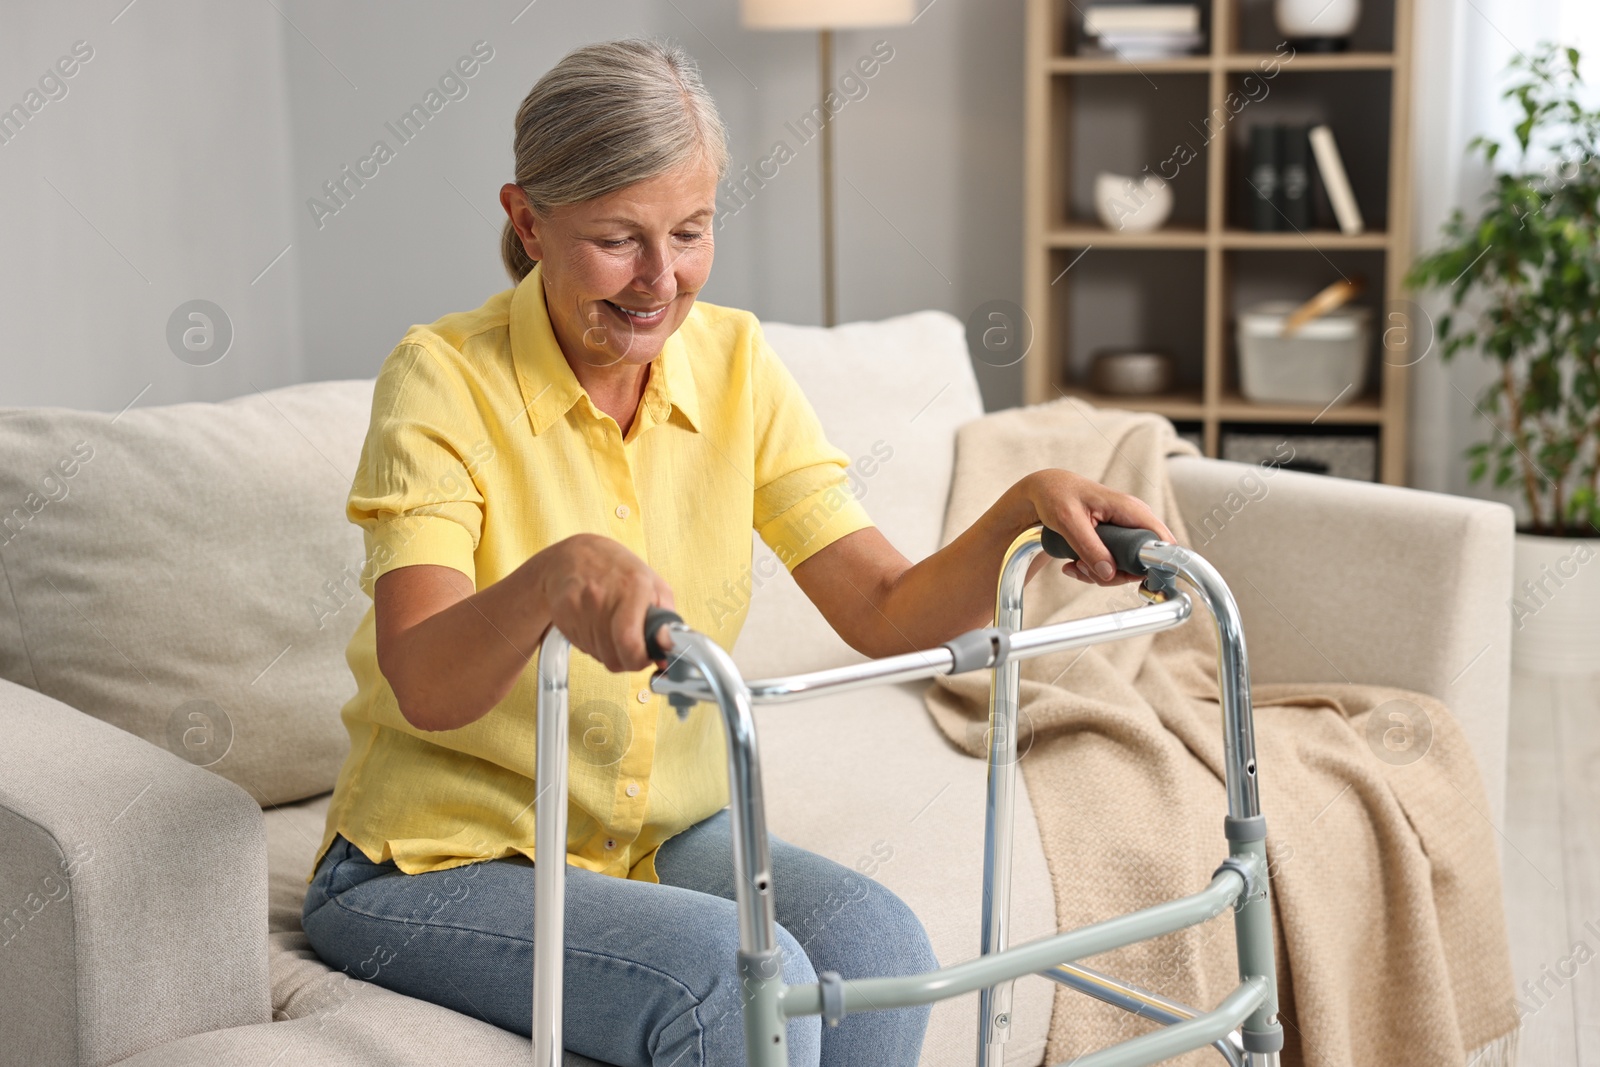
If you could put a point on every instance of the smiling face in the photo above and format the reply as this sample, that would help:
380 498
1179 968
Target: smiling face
621 271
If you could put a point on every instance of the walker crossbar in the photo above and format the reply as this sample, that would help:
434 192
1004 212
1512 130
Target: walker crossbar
913 666
1136 1001
701 671
870 994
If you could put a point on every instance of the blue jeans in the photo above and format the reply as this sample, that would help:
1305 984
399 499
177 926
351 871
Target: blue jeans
651 979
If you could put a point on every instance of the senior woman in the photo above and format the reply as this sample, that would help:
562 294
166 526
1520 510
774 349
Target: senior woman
584 445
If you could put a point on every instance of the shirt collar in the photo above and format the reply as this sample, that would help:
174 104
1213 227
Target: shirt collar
550 389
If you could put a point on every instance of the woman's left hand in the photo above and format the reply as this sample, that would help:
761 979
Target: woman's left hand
1073 506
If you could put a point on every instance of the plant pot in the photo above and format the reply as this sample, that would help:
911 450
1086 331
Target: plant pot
1555 605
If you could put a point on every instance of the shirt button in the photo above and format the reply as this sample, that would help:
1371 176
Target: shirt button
622 511
611 844
633 789
644 696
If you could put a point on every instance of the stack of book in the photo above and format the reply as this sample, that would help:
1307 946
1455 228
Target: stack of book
1278 184
1142 31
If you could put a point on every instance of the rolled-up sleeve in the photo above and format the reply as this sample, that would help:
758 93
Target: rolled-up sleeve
804 500
414 495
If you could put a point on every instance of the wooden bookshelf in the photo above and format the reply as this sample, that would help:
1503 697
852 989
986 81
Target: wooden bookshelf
1181 288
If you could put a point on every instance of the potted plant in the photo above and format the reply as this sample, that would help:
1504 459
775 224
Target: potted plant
1523 279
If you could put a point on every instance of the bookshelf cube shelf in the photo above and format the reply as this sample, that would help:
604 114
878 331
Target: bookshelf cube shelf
1353 104
1134 298
1254 276
1180 288
1123 124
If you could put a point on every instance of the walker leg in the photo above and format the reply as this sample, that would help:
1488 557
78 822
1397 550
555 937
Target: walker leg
994 1002
760 958
1245 827
550 843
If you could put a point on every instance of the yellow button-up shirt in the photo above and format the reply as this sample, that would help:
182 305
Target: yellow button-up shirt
482 450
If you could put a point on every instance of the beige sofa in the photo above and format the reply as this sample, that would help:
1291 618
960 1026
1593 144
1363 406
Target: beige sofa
177 585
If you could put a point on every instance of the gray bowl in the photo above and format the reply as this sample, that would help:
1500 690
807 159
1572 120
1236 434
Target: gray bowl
1131 373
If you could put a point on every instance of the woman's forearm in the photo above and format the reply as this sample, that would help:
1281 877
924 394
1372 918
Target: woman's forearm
452 667
452 654
953 590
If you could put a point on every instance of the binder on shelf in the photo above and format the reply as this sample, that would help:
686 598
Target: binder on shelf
1263 184
1335 181
1295 154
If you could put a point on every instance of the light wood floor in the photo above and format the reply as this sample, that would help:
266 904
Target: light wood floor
1552 869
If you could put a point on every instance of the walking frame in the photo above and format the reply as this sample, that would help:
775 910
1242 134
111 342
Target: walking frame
1244 1027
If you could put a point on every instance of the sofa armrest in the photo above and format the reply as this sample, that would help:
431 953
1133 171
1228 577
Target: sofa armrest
134 891
1340 580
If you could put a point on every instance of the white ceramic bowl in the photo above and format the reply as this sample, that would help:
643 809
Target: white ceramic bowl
1317 18
1131 206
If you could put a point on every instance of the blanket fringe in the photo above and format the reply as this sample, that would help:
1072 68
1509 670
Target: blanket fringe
1501 1052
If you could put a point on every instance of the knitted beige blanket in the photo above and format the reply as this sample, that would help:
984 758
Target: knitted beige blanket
1392 943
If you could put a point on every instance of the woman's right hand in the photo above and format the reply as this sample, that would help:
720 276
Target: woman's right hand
596 592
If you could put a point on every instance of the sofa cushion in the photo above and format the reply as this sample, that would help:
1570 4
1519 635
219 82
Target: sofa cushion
186 573
349 1023
891 395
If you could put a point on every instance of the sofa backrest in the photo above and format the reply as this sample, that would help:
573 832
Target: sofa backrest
187 572
891 394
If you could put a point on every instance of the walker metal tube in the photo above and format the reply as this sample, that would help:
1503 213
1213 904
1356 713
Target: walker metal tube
1233 671
752 863
1261 1034
760 963
1135 1001
550 845
907 667
1099 629
994 1002
874 994
1181 1037
912 666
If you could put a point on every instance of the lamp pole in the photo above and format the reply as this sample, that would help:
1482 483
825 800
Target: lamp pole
830 309
825 16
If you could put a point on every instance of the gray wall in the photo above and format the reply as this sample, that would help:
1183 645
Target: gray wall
932 150
185 151
162 175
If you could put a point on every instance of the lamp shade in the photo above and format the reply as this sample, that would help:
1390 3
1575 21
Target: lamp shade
824 14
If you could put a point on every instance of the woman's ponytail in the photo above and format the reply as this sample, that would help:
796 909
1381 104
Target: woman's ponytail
518 263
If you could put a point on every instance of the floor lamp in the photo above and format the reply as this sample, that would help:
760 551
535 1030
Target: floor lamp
825 16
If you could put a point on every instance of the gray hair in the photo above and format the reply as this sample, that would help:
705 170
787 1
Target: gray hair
609 115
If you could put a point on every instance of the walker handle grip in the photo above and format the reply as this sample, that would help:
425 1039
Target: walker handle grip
654 619
1123 542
